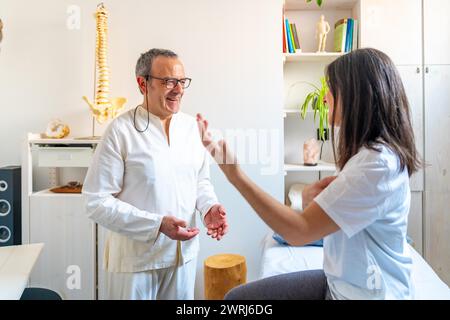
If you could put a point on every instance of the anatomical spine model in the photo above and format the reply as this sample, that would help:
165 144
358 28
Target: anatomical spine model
103 107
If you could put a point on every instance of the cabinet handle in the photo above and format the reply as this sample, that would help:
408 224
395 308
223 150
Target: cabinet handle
427 70
418 70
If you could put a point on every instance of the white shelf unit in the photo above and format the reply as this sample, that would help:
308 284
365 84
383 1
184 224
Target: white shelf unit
311 57
302 68
422 59
321 166
68 263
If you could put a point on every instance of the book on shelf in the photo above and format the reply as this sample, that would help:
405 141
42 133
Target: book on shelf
296 38
340 33
355 35
349 35
284 35
290 45
345 35
291 42
291 34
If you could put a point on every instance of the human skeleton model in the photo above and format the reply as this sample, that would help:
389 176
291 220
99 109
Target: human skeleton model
323 28
103 107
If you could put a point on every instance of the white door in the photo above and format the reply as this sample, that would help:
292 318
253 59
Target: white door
415 219
436 31
394 27
412 78
437 172
67 262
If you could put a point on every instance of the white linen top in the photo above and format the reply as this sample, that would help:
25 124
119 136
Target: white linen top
369 258
137 178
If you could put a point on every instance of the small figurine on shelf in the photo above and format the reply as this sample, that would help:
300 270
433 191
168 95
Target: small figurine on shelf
311 152
323 28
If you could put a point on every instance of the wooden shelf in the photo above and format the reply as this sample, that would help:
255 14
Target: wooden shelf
311 57
322 166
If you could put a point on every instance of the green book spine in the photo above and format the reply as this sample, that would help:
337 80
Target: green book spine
340 32
292 37
296 39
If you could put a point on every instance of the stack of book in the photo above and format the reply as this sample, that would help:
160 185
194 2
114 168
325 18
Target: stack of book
346 35
291 43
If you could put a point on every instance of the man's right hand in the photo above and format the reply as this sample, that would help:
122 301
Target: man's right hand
311 191
175 229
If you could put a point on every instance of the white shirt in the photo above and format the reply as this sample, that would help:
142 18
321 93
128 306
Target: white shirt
137 178
368 258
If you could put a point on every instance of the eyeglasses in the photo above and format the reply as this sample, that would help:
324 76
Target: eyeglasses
172 82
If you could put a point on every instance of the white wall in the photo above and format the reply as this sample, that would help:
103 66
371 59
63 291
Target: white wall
230 48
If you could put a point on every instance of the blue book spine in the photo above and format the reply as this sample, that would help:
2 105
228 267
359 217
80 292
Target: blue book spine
352 31
288 36
349 38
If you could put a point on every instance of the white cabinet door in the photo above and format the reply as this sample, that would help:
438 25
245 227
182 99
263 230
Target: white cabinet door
101 274
394 27
415 219
67 262
436 31
412 78
437 172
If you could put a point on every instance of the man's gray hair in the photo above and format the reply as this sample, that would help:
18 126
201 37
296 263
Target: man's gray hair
145 61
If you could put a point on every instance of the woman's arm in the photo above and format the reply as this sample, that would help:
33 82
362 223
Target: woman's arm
297 229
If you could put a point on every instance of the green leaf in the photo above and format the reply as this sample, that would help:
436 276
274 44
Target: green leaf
314 105
304 107
319 3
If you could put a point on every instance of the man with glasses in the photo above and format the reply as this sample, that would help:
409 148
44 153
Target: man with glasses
149 176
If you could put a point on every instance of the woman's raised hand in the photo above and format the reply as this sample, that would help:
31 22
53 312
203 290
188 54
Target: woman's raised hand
218 150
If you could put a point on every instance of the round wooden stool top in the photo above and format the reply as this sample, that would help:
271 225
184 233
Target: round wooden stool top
222 273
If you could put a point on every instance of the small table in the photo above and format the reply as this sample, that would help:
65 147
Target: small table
16 263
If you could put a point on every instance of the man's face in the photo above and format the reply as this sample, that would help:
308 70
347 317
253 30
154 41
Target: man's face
161 100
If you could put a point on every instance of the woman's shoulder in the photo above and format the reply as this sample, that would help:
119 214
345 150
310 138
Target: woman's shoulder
376 156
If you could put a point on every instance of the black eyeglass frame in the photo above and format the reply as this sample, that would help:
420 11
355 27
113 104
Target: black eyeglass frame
183 85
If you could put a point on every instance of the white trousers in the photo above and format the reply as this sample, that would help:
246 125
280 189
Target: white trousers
173 283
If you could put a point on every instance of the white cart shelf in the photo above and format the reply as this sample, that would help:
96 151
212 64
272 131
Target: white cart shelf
59 220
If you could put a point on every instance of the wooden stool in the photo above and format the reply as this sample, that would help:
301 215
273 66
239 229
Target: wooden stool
222 273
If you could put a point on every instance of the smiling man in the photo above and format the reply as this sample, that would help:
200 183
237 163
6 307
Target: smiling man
149 176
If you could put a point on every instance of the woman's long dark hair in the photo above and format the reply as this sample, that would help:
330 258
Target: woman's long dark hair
373 107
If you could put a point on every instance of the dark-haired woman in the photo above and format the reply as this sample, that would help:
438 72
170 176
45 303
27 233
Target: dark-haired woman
363 212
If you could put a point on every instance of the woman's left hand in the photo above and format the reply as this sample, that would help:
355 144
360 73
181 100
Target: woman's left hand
313 190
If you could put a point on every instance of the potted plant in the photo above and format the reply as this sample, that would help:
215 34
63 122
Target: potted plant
320 108
319 2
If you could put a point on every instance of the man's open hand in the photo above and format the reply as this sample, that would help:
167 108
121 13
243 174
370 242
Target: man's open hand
216 222
176 229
